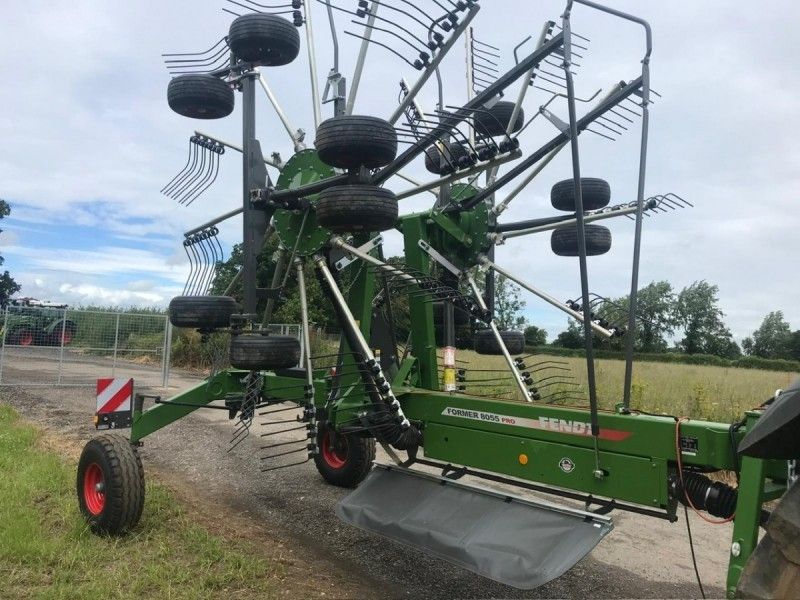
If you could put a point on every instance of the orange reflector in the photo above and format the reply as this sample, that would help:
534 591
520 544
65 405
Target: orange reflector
523 459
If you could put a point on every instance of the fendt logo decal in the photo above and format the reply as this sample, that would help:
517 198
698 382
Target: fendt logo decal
542 423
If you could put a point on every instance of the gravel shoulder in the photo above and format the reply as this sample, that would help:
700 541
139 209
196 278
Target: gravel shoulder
290 513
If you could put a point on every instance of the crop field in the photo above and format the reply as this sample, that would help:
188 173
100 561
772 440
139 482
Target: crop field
703 392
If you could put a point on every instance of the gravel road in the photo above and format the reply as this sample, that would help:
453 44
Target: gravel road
293 508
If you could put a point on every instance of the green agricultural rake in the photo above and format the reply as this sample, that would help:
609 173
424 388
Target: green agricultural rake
328 206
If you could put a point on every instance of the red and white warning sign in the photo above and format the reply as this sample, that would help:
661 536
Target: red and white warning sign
114 401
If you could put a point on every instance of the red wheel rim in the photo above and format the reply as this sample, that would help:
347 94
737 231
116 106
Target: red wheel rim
335 455
66 337
93 493
26 338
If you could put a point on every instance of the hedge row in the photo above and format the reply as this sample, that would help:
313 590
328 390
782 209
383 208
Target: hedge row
746 362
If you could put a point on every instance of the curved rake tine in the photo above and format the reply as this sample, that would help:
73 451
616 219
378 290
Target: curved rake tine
209 180
392 33
195 150
188 160
197 62
385 46
191 269
177 189
426 26
194 53
250 8
193 290
203 246
203 173
679 199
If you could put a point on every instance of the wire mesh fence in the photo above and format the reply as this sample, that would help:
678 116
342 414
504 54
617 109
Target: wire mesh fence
63 346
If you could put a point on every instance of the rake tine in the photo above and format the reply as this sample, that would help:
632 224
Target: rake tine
188 160
281 444
271 433
280 410
284 466
177 194
167 189
279 454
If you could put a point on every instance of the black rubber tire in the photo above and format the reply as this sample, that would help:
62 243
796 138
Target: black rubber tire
460 316
564 240
202 312
54 338
264 39
16 336
485 342
352 141
453 154
494 121
123 481
596 194
346 208
773 570
358 453
200 97
255 352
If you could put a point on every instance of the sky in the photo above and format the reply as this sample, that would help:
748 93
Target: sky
88 141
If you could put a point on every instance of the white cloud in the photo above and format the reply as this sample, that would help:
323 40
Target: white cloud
93 142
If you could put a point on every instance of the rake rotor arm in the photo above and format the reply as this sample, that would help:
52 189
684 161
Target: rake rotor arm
267 162
468 109
520 228
479 168
546 297
613 99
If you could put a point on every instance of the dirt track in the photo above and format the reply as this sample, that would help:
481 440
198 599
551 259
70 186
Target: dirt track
291 511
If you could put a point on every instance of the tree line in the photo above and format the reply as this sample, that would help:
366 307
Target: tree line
689 322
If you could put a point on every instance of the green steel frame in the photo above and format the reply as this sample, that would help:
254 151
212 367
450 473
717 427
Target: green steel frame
550 445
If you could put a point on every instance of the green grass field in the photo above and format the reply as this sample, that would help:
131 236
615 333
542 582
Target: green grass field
704 392
46 551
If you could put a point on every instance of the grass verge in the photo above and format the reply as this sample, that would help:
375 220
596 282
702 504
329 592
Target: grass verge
46 551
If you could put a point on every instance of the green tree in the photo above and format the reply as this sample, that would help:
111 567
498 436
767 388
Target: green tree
656 317
772 338
793 347
508 304
8 287
704 331
571 338
287 309
535 336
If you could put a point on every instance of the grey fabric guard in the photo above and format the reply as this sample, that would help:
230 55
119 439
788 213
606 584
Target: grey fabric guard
515 541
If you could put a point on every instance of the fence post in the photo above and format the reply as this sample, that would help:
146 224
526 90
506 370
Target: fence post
165 359
3 347
61 352
116 345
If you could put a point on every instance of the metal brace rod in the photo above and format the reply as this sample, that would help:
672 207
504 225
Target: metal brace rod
362 56
434 64
545 296
212 222
268 162
506 354
296 135
309 406
338 242
312 65
413 181
479 168
437 256
365 248
358 337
